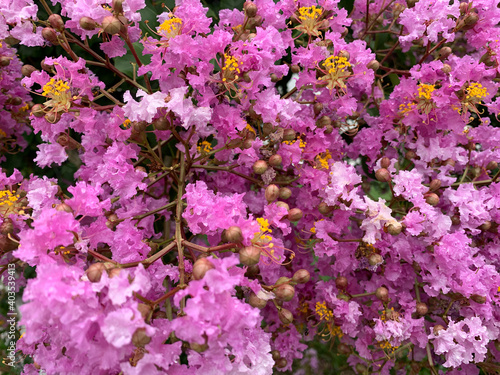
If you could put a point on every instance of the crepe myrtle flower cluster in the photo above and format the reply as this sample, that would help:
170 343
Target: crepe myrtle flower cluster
284 174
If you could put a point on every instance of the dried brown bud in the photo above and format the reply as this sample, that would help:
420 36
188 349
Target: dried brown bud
161 123
111 25
201 267
455 220
375 259
64 207
437 328
272 193
254 21
275 354
295 68
317 108
478 299
87 23
446 68
341 282
250 9
249 255
285 193
285 316
301 276
257 302
267 128
27 70
284 292
324 209
323 121
435 184
281 363
140 338
373 65
260 167
445 52
385 162
394 228
56 22
432 199
289 135
383 175
49 34
422 308
449 161
492 165
145 310
410 154
485 226
5 61
94 272
382 294
275 160
233 234
295 214
283 204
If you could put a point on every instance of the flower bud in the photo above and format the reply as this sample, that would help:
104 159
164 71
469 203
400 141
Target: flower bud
385 162
437 328
478 299
485 226
267 128
341 282
272 193
49 34
301 276
111 25
344 53
382 294
375 259
471 19
27 70
7 226
410 154
252 271
464 7
373 65
394 228
201 267
259 167
275 160
250 9
5 61
56 22
492 165
383 175
317 108
446 68
257 302
118 6
455 220
422 308
16 100
253 22
324 209
94 272
275 354
283 204
285 193
295 68
449 161
249 255
114 272
53 117
87 23
285 316
284 292
432 199
145 310
435 184
64 207
289 135
233 234
323 121
445 52
140 338
161 123
295 214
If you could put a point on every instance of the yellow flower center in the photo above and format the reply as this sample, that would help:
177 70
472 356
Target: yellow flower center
425 91
476 91
54 89
336 64
309 13
323 159
204 147
7 198
231 68
170 27
323 312
263 234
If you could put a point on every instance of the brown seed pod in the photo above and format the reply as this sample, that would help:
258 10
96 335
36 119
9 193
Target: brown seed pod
295 214
234 234
140 338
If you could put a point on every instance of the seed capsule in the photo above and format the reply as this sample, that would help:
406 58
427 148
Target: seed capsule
275 160
432 199
373 65
445 52
478 299
111 25
87 23
27 70
140 338
375 259
289 135
49 34
341 282
394 228
385 162
56 22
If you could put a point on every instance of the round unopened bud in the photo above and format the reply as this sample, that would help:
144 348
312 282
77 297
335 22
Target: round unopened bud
289 135
317 108
492 165
257 302
56 22
5 61
253 22
249 255
323 121
445 52
422 308
260 167
111 25
114 272
275 354
283 204
118 6
485 226
373 65
27 70
275 160
267 128
385 162
250 9
199 348
53 117
455 220
49 34
410 154
285 316
301 276
375 259
234 234
464 7
341 282
394 228
471 19
295 214
324 209
449 161
360 368
437 328
140 338
7 226
383 175
145 310
478 299
432 199
275 78
285 193
284 292
161 123
435 184
272 193
446 68
295 68
94 272
328 129
382 294
64 207
201 267
344 53
87 23
16 100
281 363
